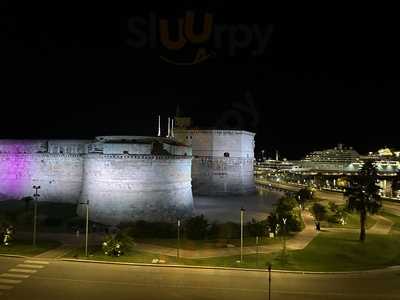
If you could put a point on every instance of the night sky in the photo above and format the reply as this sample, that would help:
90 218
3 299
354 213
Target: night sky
317 83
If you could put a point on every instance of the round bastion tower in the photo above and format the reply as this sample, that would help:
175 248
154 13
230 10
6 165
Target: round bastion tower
223 161
129 178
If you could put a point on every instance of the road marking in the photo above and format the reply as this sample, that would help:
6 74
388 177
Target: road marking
40 262
6 287
30 266
10 281
8 275
22 271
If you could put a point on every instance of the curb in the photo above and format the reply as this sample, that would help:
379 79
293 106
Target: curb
226 268
15 256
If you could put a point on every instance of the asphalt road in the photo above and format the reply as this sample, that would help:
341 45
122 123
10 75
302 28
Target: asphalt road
69 280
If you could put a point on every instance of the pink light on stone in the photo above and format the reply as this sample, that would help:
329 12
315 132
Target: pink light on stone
15 174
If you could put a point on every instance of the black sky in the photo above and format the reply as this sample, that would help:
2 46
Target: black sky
318 83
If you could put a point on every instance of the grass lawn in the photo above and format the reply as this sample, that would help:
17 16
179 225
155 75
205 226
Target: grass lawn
395 219
26 248
327 252
207 244
352 222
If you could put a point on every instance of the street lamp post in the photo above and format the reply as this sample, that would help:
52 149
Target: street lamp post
36 195
269 280
284 234
242 210
257 250
179 239
87 226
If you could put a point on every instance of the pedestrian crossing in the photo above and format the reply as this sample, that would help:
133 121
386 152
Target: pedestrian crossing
16 275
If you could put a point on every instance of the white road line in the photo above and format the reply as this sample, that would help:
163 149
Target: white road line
8 275
40 262
10 281
22 271
6 287
30 266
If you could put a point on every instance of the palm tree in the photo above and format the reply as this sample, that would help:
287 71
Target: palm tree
363 194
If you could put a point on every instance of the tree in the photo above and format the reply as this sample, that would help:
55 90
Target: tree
303 196
287 208
363 194
319 211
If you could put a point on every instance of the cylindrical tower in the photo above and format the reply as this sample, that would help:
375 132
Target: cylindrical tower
137 178
223 161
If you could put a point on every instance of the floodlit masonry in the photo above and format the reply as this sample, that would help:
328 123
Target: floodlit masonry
223 161
128 178
123 178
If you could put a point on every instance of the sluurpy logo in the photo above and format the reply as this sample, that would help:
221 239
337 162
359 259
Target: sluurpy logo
181 43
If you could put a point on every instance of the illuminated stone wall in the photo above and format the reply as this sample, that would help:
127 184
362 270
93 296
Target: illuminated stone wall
122 188
27 163
223 161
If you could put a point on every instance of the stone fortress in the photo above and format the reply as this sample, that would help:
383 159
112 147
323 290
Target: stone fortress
127 178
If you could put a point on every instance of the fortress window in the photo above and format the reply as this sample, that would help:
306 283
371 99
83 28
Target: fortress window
226 154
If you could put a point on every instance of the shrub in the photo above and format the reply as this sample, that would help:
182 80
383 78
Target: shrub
339 213
144 229
255 228
6 234
52 221
227 230
196 228
7 230
76 222
25 218
117 245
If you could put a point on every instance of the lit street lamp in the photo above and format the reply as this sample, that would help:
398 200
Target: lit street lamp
242 210
36 195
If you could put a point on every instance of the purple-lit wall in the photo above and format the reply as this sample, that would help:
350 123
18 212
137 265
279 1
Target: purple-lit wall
27 163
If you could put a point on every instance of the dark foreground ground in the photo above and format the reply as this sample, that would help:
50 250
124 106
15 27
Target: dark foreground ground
21 279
